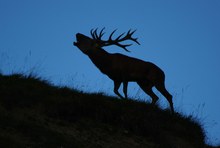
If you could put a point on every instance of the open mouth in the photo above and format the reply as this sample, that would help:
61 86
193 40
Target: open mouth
77 41
78 36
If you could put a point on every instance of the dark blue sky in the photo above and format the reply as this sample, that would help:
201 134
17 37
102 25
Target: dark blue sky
181 37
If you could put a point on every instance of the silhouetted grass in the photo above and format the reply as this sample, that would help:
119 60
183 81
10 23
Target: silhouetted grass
34 113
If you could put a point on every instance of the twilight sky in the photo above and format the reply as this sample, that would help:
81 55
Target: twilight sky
181 37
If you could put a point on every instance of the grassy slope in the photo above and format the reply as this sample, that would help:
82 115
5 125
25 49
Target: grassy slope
35 114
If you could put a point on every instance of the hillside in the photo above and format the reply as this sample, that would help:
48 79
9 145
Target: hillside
34 114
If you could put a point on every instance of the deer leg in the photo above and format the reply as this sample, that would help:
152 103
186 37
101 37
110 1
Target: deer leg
116 87
125 88
147 88
161 88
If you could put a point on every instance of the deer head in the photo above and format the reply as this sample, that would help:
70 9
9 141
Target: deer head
87 44
84 43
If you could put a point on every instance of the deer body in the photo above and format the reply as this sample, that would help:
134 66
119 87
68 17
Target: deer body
119 67
123 69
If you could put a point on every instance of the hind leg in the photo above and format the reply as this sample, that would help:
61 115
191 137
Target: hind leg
147 88
161 88
125 89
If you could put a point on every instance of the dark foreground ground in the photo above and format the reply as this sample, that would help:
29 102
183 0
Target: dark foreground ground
35 114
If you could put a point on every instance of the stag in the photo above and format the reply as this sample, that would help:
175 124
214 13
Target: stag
121 68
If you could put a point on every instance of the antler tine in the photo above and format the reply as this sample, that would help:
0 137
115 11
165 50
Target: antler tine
92 33
136 41
131 33
124 46
118 38
110 37
101 33
129 36
96 35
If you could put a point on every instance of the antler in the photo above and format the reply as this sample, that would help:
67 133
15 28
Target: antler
116 41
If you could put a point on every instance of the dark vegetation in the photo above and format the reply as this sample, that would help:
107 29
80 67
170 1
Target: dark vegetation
34 113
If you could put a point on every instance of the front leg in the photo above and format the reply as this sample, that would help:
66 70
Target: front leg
116 87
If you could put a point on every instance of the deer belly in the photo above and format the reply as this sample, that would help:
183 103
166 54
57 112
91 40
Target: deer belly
121 76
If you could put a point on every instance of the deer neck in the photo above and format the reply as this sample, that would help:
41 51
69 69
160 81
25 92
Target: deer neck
101 59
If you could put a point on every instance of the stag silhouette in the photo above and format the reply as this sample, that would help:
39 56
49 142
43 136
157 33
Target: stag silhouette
121 68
